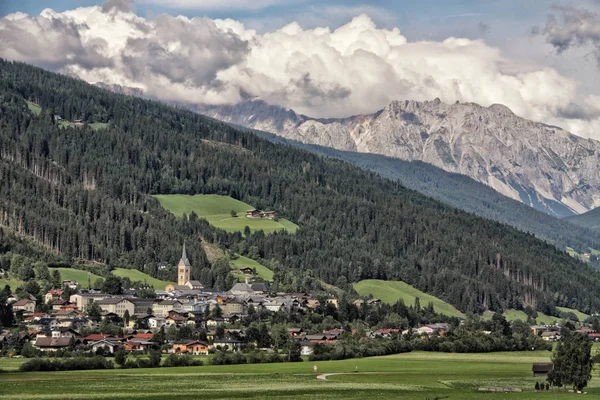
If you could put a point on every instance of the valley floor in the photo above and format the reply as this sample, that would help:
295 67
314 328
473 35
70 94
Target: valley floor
416 375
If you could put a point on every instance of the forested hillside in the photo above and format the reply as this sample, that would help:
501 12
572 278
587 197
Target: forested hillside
590 220
85 194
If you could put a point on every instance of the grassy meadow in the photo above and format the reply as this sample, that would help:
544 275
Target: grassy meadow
217 211
34 108
136 275
416 375
242 262
392 291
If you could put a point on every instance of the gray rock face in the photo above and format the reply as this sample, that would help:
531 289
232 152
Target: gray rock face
540 165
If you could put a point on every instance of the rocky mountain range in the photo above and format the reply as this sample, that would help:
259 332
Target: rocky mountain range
540 165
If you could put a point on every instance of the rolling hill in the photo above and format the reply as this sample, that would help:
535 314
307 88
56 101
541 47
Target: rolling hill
88 194
392 291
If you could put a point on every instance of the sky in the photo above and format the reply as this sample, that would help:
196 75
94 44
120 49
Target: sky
328 58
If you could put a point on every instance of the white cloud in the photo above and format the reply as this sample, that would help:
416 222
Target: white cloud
357 68
216 4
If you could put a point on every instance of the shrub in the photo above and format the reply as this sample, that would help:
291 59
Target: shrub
71 364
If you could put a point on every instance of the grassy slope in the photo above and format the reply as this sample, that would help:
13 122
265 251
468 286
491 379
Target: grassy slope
261 271
34 108
136 275
416 375
75 274
392 291
581 316
217 210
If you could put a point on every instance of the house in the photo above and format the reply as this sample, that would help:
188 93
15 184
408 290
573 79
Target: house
49 343
194 285
333 301
551 336
195 347
227 344
269 215
176 320
82 300
156 322
247 271
214 322
233 307
111 346
253 214
312 303
53 294
162 308
117 306
294 332
306 349
542 369
71 284
358 302
260 288
58 304
142 306
25 305
241 289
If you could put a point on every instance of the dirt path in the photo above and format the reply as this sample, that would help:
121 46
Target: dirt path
323 377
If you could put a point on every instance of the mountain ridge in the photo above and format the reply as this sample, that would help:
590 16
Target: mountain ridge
538 164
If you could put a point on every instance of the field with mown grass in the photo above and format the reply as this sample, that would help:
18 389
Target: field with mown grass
217 211
34 108
242 262
136 275
580 316
392 291
416 375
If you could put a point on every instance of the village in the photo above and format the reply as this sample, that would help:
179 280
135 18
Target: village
187 318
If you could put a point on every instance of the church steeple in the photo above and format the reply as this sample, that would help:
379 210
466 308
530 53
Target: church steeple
184 269
184 256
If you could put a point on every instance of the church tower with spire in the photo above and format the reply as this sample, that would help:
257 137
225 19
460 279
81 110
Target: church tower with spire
184 269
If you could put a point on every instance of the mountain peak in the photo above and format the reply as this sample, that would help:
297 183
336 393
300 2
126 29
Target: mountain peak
524 160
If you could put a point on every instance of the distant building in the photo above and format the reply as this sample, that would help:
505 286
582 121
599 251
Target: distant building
542 369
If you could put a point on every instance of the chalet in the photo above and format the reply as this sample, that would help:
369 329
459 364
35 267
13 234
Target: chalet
195 347
26 305
57 304
269 215
156 322
53 294
112 346
138 345
274 306
95 337
542 369
117 306
260 288
373 302
312 303
253 214
176 320
48 343
247 271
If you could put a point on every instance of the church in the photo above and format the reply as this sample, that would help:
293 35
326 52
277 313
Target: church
184 270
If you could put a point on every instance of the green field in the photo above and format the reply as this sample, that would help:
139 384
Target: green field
392 291
13 283
98 125
242 262
78 275
34 108
581 316
136 275
416 375
217 211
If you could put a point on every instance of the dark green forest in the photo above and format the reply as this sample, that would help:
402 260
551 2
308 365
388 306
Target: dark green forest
83 194
590 220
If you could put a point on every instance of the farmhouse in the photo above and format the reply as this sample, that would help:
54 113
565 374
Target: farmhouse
49 343
53 294
247 271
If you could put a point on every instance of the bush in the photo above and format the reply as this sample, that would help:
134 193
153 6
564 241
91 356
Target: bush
72 364
537 386
175 360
